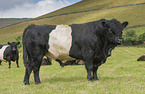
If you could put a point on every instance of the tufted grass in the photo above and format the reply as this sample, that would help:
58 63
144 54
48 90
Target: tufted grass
121 74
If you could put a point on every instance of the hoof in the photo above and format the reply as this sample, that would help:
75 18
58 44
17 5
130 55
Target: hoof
37 83
90 79
62 65
95 79
26 83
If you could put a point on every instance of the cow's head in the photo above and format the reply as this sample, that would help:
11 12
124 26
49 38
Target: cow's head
113 31
13 46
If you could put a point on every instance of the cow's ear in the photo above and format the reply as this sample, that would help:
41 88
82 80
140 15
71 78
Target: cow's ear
18 43
124 24
9 43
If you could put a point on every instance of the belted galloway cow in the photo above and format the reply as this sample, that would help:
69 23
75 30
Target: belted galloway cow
9 53
90 42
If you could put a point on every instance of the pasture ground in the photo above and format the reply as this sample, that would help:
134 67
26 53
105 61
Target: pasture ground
121 74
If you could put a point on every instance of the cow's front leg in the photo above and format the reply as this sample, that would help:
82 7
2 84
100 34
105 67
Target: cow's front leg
89 68
9 64
17 63
95 68
0 62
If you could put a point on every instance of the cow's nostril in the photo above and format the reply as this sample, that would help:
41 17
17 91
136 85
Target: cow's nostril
120 40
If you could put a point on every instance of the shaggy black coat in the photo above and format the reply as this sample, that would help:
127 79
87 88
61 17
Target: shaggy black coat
11 53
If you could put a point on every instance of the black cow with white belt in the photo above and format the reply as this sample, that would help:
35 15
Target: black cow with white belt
90 42
9 53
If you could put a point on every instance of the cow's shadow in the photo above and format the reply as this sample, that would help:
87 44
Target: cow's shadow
62 79
76 79
116 78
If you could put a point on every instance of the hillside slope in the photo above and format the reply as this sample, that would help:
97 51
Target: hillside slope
92 4
4 22
134 14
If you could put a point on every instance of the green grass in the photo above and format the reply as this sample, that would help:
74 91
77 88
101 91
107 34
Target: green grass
121 74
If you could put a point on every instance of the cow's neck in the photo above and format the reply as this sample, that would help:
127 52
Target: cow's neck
105 50
108 47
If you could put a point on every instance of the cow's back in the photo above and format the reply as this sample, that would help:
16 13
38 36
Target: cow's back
37 34
2 52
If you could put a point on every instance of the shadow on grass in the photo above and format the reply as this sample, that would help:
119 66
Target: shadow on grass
78 78
120 78
63 79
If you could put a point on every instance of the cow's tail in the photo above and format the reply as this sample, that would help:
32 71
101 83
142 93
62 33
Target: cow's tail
25 52
25 55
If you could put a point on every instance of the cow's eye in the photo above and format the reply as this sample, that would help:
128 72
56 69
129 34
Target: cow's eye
111 31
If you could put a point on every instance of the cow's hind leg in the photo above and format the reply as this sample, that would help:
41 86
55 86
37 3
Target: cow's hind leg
36 61
27 76
95 68
36 67
36 75
27 63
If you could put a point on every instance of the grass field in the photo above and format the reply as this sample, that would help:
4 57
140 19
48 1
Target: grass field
121 74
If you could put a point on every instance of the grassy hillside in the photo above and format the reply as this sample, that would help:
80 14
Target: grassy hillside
10 21
121 74
134 14
92 4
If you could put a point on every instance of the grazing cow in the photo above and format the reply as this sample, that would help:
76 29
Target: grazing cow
141 58
91 42
74 62
9 53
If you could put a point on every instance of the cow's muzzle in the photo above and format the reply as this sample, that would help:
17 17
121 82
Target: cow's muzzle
13 49
119 41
